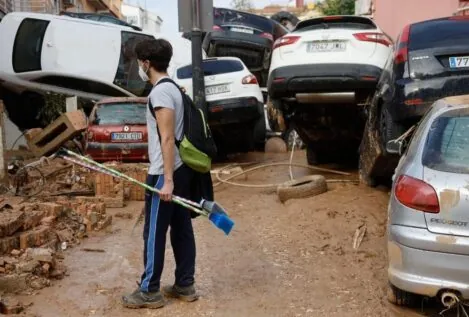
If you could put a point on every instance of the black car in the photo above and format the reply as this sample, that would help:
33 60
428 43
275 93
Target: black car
430 61
99 17
244 35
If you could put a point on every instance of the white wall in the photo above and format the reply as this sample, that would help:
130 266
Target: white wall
146 20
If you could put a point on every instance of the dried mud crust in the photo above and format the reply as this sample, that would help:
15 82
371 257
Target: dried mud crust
303 187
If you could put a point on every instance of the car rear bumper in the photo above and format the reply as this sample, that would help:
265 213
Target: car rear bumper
234 111
253 50
428 91
287 81
422 271
127 152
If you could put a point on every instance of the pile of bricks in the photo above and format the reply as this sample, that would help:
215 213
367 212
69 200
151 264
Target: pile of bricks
111 187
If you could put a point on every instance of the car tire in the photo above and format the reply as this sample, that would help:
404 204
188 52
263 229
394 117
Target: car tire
399 297
388 129
363 175
259 134
308 186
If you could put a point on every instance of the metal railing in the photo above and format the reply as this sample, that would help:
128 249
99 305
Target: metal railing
38 6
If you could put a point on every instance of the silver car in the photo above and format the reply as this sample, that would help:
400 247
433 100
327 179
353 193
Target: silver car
428 214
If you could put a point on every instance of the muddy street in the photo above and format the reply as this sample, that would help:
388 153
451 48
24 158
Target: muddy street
292 259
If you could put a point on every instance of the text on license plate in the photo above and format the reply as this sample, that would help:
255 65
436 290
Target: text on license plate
242 30
126 136
326 46
458 62
218 89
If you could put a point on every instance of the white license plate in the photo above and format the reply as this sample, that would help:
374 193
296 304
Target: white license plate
242 30
218 89
459 62
326 46
126 136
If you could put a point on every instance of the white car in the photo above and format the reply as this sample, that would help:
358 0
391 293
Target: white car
326 60
89 59
235 103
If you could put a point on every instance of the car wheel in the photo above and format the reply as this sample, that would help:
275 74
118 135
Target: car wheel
388 129
308 186
259 134
399 297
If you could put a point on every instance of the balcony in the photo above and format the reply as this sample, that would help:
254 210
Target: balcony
37 6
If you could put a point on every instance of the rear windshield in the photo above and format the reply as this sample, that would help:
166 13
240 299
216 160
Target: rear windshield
120 113
212 67
27 49
439 33
447 145
352 23
226 16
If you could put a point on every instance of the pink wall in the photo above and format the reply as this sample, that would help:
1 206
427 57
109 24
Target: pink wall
392 15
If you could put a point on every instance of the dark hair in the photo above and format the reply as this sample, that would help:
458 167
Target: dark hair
157 51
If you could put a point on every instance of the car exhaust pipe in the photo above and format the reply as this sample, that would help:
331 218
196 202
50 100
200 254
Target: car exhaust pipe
326 98
449 299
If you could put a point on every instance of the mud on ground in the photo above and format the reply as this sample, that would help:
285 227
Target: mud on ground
294 259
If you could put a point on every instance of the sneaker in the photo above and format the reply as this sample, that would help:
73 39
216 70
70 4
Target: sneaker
184 293
139 299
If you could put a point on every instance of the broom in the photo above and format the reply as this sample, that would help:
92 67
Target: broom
215 212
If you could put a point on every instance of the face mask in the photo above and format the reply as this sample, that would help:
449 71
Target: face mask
143 74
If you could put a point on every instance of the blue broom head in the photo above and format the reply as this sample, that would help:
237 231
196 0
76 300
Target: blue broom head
222 221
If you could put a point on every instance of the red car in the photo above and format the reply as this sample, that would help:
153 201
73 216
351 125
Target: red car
117 130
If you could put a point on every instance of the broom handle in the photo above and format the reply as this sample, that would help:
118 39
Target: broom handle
179 200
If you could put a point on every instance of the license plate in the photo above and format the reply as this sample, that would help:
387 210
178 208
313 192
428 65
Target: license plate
242 30
126 136
459 62
218 89
326 46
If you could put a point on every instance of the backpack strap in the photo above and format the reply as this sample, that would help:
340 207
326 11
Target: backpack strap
152 110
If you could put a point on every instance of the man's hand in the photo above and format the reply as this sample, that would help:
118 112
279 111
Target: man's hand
166 192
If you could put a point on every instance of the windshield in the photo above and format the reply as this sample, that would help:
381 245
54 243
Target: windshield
439 33
447 145
120 114
127 71
212 67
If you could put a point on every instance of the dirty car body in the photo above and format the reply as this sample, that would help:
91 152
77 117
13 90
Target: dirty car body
428 219
235 103
88 59
244 35
430 61
117 130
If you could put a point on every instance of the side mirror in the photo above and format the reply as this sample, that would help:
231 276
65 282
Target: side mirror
395 147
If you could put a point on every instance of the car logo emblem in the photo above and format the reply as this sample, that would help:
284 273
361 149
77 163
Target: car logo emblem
126 128
212 77
325 36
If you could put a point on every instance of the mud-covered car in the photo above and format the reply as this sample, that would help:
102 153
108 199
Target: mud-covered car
117 130
244 35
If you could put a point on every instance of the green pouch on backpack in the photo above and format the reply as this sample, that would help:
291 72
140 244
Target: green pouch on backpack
192 157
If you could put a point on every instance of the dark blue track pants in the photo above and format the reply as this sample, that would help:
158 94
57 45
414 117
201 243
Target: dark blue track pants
159 215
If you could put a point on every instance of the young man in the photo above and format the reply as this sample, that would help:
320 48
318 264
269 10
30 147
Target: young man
169 175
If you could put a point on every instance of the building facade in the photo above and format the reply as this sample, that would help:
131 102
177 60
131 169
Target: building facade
144 19
5 7
112 7
393 15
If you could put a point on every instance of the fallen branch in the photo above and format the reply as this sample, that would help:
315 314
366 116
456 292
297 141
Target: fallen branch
93 250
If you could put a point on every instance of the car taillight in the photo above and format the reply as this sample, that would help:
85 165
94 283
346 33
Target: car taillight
402 50
267 36
286 40
250 80
216 28
416 194
373 37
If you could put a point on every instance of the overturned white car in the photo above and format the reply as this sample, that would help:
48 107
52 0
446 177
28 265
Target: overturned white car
42 52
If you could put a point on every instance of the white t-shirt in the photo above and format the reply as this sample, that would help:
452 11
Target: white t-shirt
165 95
